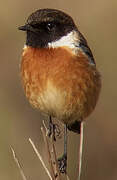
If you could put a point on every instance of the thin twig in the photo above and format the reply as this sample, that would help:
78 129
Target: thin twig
80 151
45 127
56 162
18 164
53 155
40 158
67 177
56 171
48 153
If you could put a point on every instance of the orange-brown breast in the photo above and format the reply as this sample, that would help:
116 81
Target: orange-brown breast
59 83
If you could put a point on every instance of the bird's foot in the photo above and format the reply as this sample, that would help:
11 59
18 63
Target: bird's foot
54 131
50 129
62 164
57 131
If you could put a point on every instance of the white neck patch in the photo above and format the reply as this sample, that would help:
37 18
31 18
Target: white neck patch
71 40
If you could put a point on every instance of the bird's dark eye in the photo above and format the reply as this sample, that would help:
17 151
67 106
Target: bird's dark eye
44 26
50 26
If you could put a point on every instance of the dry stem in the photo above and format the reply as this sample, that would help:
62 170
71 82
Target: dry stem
52 159
18 164
48 153
40 158
80 151
53 173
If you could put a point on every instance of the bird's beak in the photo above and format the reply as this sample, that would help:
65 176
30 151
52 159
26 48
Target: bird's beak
26 27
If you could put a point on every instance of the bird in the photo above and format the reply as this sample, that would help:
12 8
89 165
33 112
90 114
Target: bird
58 71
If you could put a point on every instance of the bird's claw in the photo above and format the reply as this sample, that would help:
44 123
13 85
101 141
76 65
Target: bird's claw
62 164
54 131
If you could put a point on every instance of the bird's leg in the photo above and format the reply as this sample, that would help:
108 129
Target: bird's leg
50 126
51 129
62 161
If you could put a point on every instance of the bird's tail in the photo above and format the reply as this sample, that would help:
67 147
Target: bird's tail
75 127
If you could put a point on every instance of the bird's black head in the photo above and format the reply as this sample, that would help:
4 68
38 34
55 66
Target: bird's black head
47 25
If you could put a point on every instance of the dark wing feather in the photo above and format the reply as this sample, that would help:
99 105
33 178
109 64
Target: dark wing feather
84 46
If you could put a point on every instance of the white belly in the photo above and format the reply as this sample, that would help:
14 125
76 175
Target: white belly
52 100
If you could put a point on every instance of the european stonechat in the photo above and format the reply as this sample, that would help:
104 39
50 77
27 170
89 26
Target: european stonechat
58 70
